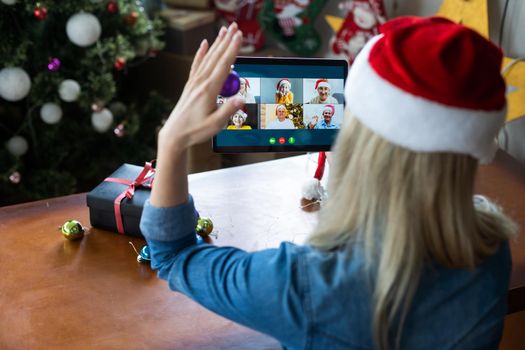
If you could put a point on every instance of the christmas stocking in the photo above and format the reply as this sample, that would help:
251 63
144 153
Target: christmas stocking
291 22
361 23
244 12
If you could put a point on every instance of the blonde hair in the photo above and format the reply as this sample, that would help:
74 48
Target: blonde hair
403 207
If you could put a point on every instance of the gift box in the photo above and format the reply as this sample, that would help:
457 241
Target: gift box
186 29
116 204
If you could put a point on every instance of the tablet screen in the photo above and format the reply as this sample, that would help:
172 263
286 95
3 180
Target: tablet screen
292 104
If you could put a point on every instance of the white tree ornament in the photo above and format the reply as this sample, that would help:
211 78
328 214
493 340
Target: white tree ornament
83 29
51 113
69 90
17 146
102 120
9 2
14 83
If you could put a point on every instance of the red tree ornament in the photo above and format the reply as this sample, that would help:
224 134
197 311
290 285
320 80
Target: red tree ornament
132 18
40 13
112 7
120 63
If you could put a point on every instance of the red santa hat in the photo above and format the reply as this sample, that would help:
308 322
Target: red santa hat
246 82
430 85
329 107
283 81
322 83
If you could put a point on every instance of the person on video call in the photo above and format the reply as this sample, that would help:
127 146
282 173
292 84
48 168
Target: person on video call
281 122
323 88
244 91
403 255
283 93
238 119
326 123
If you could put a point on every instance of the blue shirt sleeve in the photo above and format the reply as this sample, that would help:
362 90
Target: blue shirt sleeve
261 290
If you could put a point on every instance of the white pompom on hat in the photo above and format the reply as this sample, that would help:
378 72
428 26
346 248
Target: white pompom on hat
430 85
312 189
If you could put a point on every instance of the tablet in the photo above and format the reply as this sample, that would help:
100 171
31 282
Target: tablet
291 104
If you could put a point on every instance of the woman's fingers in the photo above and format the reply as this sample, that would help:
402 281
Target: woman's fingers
199 56
213 57
222 67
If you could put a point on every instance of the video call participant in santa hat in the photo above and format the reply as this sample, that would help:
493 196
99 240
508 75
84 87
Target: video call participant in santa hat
244 91
326 123
323 89
238 119
281 122
284 94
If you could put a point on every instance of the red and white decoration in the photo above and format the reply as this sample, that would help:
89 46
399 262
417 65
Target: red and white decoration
441 81
286 12
244 12
83 29
360 25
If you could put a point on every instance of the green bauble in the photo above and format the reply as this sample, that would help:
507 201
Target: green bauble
72 230
204 227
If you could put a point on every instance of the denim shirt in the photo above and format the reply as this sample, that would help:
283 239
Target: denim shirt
308 299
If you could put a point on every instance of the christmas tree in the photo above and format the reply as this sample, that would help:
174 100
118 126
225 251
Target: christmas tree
65 122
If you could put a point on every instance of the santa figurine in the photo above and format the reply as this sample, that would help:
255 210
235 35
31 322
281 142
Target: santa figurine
361 24
287 12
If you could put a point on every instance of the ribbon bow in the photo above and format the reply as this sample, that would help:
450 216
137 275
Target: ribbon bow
145 179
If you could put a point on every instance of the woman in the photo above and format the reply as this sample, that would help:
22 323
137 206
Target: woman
401 257
238 120
244 91
283 94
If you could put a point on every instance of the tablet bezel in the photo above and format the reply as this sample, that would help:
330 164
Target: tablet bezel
273 61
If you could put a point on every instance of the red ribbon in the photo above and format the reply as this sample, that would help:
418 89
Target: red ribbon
145 179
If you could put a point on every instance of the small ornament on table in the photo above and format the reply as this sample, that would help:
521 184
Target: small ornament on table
40 12
204 227
120 63
83 29
15 177
112 7
69 90
131 18
51 113
143 256
72 230
14 84
54 64
17 146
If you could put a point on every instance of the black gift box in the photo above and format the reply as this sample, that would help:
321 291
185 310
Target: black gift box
101 202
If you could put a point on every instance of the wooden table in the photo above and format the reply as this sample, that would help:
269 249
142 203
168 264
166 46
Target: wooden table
93 294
